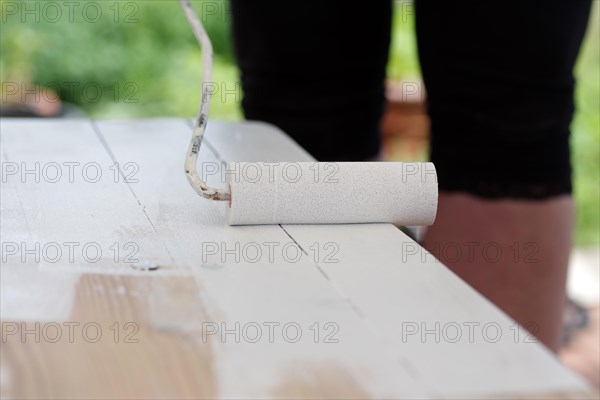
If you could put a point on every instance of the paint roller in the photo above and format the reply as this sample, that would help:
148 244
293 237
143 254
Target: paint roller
310 192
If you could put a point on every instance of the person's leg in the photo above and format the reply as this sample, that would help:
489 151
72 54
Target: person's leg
316 70
500 98
513 252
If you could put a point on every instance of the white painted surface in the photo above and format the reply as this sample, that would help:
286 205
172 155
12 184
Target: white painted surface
66 210
369 281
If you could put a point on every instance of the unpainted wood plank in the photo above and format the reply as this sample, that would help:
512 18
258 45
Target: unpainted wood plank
112 346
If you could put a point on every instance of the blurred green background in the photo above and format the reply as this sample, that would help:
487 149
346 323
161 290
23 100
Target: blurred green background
146 63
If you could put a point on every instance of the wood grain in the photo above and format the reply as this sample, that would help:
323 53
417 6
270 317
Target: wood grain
117 349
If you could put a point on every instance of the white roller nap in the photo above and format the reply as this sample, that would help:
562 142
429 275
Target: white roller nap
332 193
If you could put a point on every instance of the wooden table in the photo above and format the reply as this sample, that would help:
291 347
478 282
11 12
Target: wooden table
118 281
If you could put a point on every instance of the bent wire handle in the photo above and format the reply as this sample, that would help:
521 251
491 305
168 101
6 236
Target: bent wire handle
191 158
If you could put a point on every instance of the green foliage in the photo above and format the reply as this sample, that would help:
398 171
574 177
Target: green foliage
585 141
139 59
403 63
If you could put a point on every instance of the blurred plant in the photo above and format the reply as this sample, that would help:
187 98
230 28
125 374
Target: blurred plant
585 141
147 45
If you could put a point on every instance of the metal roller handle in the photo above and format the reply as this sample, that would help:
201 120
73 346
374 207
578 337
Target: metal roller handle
191 158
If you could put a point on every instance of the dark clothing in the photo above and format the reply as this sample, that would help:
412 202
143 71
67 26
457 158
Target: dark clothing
498 77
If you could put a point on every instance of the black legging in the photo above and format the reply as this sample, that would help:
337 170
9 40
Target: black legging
498 77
